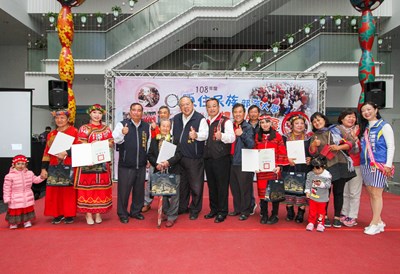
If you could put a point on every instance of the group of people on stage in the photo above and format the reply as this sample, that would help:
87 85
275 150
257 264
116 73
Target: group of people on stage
340 156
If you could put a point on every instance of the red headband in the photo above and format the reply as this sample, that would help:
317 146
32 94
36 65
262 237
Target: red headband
19 158
273 120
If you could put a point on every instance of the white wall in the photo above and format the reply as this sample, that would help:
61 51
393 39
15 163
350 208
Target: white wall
13 64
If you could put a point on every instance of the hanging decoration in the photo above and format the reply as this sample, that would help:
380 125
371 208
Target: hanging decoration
366 34
66 69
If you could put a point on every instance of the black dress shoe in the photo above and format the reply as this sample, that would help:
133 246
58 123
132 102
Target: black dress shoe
124 220
193 216
273 220
210 215
243 217
219 219
183 211
138 216
233 213
264 219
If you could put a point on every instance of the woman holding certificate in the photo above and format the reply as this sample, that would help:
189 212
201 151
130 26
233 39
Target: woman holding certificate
268 138
94 182
60 200
328 141
297 167
171 204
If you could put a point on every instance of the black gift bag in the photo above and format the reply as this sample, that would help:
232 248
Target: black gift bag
275 191
294 182
162 184
60 175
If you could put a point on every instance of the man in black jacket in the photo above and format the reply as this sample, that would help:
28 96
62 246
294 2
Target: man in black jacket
133 139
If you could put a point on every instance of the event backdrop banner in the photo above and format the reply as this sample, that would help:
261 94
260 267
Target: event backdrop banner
281 99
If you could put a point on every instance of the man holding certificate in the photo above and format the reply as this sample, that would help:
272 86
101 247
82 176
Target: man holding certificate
217 160
241 181
268 138
133 139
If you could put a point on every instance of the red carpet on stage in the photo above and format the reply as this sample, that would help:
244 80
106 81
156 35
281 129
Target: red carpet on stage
201 246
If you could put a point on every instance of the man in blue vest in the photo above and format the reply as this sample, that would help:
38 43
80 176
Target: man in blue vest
190 129
132 137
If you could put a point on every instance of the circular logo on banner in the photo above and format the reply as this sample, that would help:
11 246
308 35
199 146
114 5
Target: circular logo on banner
171 100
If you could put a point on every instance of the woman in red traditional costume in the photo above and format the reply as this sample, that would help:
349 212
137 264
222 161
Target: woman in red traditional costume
60 201
268 138
94 182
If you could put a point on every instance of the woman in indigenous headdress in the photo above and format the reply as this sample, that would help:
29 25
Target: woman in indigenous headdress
298 132
94 182
60 200
268 138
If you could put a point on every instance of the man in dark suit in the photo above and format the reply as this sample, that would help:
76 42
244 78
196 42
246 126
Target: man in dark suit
191 129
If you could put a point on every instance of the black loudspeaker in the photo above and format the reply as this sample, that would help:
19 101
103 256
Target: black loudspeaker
58 94
376 92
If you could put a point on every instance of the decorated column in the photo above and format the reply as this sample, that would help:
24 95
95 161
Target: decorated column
366 35
65 26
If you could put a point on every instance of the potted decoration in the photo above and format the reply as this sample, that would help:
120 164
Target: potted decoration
52 17
322 20
99 17
290 38
83 17
257 56
337 19
116 10
244 66
132 3
307 28
353 21
275 47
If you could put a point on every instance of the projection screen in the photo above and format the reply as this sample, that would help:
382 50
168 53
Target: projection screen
15 122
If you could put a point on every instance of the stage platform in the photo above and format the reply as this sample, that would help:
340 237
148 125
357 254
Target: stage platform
200 246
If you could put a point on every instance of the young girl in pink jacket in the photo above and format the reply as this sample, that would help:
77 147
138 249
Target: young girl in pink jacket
17 193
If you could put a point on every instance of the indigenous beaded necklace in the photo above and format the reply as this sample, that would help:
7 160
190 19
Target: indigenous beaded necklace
294 137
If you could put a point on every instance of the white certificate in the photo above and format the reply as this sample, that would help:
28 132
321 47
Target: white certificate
258 160
90 154
61 143
167 150
295 150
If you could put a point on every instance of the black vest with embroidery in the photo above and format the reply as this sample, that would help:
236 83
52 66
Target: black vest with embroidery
216 148
133 151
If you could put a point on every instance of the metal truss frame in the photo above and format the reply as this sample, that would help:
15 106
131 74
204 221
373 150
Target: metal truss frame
109 83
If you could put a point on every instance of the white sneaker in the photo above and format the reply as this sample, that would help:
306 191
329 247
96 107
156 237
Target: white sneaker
382 226
27 224
310 227
13 226
320 228
373 230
